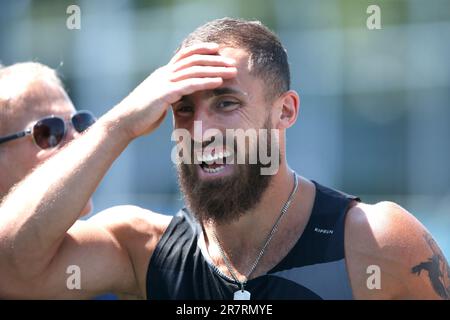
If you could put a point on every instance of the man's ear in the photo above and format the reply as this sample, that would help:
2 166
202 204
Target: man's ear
287 109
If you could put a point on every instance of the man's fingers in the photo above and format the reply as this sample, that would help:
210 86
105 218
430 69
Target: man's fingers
203 60
200 48
204 72
191 85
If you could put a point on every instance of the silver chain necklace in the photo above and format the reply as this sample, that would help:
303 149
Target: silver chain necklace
244 294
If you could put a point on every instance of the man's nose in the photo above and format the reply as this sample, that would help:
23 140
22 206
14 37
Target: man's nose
204 126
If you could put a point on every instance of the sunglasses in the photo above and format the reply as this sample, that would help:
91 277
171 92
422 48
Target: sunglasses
48 132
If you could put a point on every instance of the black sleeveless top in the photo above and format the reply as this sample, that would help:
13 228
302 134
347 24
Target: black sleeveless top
315 267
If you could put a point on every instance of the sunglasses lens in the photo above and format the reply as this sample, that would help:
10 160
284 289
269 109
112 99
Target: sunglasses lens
48 132
82 120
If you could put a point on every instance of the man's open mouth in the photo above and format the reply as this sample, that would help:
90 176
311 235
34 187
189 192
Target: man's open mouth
213 162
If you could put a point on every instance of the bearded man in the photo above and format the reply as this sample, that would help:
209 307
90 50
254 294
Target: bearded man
246 232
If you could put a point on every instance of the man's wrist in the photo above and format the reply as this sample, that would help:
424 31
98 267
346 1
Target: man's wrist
114 128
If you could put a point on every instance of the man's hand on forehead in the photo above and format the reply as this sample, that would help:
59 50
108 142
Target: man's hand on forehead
201 61
195 68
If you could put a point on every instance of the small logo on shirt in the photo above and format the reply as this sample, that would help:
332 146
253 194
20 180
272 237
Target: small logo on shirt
324 231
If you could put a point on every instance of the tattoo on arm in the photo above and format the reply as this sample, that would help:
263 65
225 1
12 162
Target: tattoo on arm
437 268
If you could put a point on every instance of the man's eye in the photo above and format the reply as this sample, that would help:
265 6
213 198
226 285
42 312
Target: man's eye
226 103
185 109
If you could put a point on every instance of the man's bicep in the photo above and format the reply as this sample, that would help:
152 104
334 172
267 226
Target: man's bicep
386 243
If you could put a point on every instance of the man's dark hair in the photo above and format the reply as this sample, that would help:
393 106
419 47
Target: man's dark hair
267 56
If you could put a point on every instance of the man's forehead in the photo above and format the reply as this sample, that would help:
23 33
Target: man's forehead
46 97
39 101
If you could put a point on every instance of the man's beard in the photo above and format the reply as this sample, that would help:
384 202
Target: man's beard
225 199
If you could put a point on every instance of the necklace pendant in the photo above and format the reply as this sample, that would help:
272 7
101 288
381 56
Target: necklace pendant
241 295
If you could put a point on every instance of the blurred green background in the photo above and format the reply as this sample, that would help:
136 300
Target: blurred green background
375 104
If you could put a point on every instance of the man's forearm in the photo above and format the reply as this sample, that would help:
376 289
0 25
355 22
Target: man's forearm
36 214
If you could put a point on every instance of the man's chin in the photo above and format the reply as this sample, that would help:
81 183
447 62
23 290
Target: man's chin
222 195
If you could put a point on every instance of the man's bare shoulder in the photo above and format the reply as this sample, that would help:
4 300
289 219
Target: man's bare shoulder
138 230
386 238
132 219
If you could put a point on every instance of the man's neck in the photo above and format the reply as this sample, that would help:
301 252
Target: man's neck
242 239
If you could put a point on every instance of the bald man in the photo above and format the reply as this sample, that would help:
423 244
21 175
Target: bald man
35 121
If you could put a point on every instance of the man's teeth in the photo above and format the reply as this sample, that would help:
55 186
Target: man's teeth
215 170
209 158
